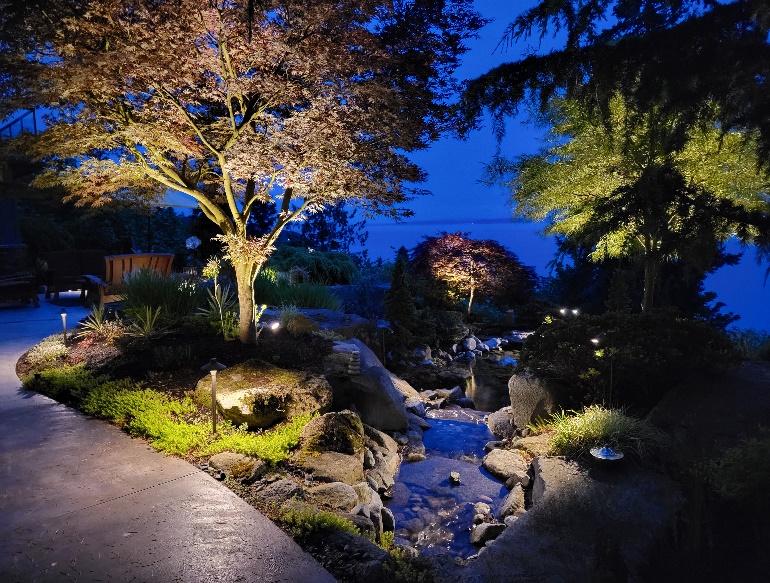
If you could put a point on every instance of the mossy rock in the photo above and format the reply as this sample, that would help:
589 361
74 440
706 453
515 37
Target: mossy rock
338 432
260 394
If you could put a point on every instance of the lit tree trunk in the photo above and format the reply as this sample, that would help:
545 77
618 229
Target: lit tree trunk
246 325
470 298
650 277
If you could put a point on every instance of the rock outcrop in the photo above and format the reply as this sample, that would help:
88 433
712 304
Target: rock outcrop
532 398
260 394
602 524
375 394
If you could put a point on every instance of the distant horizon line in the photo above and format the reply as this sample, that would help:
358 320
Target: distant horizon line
480 221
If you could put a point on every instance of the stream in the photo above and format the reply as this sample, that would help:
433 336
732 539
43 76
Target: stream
431 514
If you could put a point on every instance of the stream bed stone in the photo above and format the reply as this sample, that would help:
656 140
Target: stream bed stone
430 512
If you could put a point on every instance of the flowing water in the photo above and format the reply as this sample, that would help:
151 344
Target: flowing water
432 514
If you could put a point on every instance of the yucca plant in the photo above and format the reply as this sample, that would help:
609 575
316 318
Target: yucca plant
146 323
99 326
222 310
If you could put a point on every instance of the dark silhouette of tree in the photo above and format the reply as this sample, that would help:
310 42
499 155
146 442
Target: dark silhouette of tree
681 55
400 309
333 230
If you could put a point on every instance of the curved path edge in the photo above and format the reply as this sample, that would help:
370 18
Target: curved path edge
82 501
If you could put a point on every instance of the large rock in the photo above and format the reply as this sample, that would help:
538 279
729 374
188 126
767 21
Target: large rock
602 525
501 423
260 394
278 492
532 398
332 448
513 503
485 532
375 393
337 496
332 467
241 467
340 432
505 463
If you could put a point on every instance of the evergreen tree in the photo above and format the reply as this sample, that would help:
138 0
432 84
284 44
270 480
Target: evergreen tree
400 309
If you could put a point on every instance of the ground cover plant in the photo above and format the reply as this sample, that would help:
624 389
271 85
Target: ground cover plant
177 426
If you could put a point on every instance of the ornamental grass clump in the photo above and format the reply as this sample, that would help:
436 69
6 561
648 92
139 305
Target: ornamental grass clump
574 434
304 521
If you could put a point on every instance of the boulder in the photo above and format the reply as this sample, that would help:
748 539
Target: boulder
332 448
535 445
485 532
532 398
505 463
340 432
513 503
338 496
278 492
260 394
332 467
501 423
376 394
241 467
601 524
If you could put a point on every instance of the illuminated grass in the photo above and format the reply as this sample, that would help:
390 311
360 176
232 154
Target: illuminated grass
576 433
174 426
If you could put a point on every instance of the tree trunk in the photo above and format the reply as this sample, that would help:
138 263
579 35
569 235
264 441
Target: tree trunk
470 300
650 271
246 326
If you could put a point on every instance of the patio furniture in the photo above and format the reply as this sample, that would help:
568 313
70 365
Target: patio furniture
112 287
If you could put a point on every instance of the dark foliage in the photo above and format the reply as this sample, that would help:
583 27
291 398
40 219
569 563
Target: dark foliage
639 357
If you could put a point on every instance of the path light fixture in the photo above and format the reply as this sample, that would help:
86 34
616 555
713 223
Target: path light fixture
213 367
64 325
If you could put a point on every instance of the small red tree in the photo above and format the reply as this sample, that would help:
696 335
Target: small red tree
470 267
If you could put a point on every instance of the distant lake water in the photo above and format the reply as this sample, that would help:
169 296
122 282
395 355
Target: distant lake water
740 287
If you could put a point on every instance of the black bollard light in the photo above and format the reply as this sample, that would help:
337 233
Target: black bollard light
213 367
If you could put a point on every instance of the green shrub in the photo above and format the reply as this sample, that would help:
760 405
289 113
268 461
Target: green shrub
303 521
268 290
641 356
65 383
752 344
574 435
326 267
271 446
742 474
176 296
48 351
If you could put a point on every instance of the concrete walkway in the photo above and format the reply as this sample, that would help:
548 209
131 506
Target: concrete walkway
82 501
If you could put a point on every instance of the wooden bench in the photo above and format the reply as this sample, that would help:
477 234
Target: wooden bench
117 267
67 269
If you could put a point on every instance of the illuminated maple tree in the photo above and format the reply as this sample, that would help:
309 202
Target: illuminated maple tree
470 267
297 103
